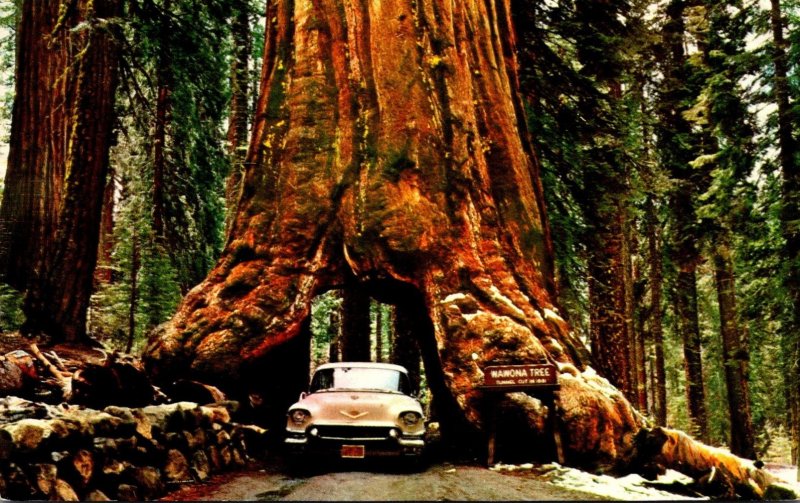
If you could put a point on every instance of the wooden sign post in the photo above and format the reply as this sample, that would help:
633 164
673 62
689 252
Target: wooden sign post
539 380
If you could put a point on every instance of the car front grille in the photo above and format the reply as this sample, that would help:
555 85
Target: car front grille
353 432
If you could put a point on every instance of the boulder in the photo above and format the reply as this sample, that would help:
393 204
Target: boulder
176 468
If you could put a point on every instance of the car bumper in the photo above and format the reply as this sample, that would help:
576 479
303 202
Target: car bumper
408 446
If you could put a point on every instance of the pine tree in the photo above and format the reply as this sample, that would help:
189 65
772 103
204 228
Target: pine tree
677 148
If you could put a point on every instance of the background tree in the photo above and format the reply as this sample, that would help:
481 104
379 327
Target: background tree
727 156
677 148
67 72
239 116
171 164
787 119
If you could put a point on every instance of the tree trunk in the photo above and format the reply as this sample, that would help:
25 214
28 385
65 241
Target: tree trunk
790 215
239 108
390 145
635 335
611 346
686 312
405 351
334 353
61 131
379 333
103 272
134 296
677 154
163 105
734 354
656 320
355 340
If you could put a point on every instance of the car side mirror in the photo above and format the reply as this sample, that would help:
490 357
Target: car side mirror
303 395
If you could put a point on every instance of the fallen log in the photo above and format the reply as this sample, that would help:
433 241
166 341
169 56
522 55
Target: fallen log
717 472
186 390
115 382
48 365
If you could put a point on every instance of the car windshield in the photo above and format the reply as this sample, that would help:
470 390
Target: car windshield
360 378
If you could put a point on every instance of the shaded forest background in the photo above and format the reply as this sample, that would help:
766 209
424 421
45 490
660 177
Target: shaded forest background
667 136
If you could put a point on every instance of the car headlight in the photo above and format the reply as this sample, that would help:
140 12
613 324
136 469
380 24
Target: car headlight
410 418
299 416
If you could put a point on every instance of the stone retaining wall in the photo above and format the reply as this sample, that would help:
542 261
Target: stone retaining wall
68 452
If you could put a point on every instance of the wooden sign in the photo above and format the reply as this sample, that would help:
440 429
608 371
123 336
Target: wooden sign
520 376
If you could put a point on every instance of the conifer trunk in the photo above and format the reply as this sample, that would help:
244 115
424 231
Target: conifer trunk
355 341
162 119
238 118
103 272
677 155
405 350
612 350
379 334
61 132
734 355
656 318
790 215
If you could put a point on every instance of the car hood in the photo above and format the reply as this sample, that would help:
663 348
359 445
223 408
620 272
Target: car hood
357 407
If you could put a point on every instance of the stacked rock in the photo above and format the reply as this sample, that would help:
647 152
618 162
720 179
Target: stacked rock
71 453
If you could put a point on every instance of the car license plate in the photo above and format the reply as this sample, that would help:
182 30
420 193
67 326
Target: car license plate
352 451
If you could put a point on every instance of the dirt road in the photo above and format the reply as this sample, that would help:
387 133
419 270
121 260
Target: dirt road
365 482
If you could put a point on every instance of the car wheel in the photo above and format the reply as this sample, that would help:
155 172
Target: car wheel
414 464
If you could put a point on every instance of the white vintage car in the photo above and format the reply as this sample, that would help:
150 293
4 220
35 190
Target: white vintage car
357 410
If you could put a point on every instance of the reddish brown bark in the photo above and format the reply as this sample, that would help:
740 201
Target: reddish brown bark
238 118
103 272
656 318
162 119
390 144
677 156
33 187
734 353
612 348
61 132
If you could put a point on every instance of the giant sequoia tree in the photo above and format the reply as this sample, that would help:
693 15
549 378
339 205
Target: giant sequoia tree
390 146
61 131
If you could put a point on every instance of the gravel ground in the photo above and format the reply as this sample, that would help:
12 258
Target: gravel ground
377 482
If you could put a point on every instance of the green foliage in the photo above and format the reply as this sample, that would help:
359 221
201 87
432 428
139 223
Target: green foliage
11 316
137 253
322 308
192 40
8 22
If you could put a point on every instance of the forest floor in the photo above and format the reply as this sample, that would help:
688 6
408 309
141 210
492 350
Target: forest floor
376 482
440 481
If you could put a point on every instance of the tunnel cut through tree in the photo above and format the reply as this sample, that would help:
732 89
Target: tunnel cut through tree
390 149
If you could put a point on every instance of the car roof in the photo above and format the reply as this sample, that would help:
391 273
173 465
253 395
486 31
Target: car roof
368 365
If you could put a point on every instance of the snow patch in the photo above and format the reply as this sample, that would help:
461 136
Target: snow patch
787 475
549 314
628 488
502 299
454 297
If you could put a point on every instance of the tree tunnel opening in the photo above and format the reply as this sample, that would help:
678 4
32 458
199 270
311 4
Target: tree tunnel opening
377 321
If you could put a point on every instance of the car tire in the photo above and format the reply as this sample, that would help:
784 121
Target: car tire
414 464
